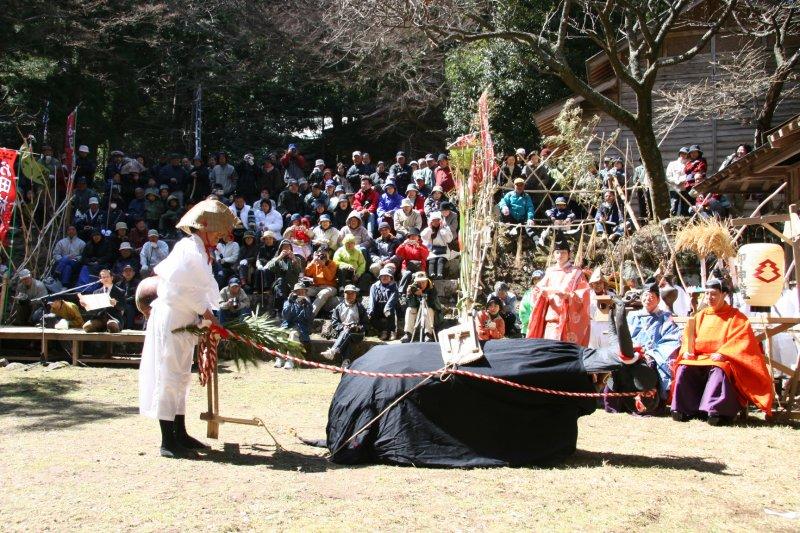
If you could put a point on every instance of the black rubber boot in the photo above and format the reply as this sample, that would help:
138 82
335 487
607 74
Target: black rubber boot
169 448
183 438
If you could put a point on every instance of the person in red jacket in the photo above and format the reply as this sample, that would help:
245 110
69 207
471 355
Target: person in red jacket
489 323
365 202
695 168
412 256
443 174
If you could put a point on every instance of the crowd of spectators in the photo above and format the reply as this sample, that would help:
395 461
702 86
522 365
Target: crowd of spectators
308 235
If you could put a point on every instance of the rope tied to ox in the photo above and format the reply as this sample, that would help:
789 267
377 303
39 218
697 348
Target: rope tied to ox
209 343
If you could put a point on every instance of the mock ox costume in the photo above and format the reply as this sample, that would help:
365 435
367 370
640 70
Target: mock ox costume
186 290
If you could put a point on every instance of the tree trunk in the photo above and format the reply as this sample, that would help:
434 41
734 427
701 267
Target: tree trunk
767 113
654 165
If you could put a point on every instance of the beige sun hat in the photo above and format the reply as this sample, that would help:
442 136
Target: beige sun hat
208 215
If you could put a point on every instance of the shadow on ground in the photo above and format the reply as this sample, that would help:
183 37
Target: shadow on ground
45 406
672 462
268 455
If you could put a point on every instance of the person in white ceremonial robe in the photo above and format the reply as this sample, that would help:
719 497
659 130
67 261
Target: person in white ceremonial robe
186 292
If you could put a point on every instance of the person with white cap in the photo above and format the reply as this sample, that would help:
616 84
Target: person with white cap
92 219
84 166
325 234
186 291
435 200
153 252
436 237
406 218
30 298
384 304
349 323
125 257
355 171
317 173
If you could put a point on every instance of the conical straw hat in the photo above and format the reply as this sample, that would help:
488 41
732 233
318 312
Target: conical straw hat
208 215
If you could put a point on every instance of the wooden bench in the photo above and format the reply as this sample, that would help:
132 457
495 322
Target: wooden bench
76 336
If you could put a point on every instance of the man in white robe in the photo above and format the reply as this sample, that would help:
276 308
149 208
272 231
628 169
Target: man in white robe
187 291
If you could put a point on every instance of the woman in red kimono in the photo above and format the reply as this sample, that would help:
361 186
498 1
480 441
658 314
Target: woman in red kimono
560 302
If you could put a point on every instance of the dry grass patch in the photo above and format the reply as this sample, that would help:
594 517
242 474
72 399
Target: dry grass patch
77 456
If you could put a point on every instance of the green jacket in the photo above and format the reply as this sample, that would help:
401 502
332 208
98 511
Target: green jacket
525 309
353 257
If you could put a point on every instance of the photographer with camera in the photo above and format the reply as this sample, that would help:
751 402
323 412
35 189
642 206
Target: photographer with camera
349 323
421 295
297 315
286 269
234 303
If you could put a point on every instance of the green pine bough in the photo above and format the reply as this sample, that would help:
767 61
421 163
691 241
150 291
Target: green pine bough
258 329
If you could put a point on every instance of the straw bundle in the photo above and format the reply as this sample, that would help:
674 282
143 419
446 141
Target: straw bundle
705 238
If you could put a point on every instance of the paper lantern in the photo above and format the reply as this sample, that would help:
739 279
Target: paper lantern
761 268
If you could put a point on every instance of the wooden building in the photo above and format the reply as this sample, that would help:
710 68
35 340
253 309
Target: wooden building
717 138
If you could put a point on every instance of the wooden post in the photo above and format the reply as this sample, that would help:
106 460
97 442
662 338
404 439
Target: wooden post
212 389
3 292
76 349
796 254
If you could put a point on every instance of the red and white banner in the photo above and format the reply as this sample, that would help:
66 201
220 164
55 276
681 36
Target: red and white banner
8 189
69 141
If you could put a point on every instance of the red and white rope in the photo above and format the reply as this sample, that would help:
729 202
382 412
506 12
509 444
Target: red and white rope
208 360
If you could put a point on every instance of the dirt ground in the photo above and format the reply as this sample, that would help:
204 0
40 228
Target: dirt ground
76 456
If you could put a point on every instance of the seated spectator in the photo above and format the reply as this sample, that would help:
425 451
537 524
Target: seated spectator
299 234
421 183
341 213
436 237
711 205
443 176
508 307
316 196
92 219
323 273
318 209
153 252
97 255
383 249
383 305
248 251
128 285
365 203
30 298
242 211
349 323
561 217
420 293
125 257
660 337
488 322
119 236
263 278
350 260
286 269
333 190
726 370
234 303
264 195
171 215
67 254
406 218
68 312
138 235
417 200
226 254
516 207
412 256
695 168
153 207
268 219
325 235
297 314
136 207
510 171
450 217
109 318
290 202
317 173
355 227
434 202
607 219
380 176
389 203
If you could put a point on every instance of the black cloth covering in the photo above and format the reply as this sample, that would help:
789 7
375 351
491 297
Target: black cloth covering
465 422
